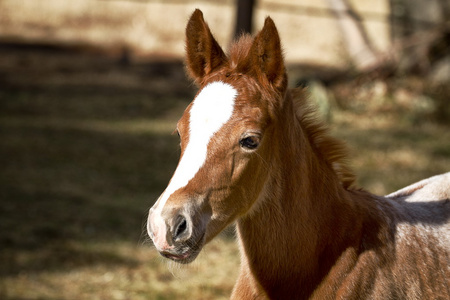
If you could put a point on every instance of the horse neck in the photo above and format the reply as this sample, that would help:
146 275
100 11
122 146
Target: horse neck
303 209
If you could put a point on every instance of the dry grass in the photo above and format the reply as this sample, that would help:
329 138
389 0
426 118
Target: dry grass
86 147
121 270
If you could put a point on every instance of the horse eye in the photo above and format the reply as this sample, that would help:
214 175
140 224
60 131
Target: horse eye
250 142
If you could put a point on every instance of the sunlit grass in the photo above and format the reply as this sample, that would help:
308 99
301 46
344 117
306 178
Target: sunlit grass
127 271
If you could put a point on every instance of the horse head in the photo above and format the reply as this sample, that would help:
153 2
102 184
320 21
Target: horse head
226 139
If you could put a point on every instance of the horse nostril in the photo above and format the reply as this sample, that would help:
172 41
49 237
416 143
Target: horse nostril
180 229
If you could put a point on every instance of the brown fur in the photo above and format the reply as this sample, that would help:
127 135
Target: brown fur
304 231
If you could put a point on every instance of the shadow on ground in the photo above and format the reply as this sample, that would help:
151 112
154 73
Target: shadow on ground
85 148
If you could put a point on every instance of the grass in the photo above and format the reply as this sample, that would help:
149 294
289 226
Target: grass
85 149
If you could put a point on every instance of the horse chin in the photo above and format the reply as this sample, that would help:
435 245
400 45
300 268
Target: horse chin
183 258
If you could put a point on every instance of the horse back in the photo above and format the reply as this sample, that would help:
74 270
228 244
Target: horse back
431 189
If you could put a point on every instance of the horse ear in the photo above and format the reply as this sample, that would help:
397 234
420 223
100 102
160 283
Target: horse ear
204 54
266 55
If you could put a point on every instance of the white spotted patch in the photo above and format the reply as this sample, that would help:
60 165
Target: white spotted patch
211 109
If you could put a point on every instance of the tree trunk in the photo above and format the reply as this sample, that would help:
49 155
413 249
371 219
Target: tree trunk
244 17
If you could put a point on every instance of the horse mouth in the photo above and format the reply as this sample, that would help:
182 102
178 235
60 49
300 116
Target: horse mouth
185 253
182 258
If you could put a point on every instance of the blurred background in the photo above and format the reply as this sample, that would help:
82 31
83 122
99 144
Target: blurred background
90 92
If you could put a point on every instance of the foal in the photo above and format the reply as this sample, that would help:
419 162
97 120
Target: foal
253 152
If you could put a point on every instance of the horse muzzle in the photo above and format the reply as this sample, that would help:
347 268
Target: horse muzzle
177 234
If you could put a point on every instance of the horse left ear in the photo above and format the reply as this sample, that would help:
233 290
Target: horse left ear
203 53
267 57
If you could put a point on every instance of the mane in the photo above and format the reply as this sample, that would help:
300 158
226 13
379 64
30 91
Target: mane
332 150
239 49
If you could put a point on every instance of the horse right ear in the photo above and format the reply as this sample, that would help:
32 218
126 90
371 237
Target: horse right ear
266 56
203 53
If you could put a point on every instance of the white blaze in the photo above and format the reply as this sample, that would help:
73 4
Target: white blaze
211 109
